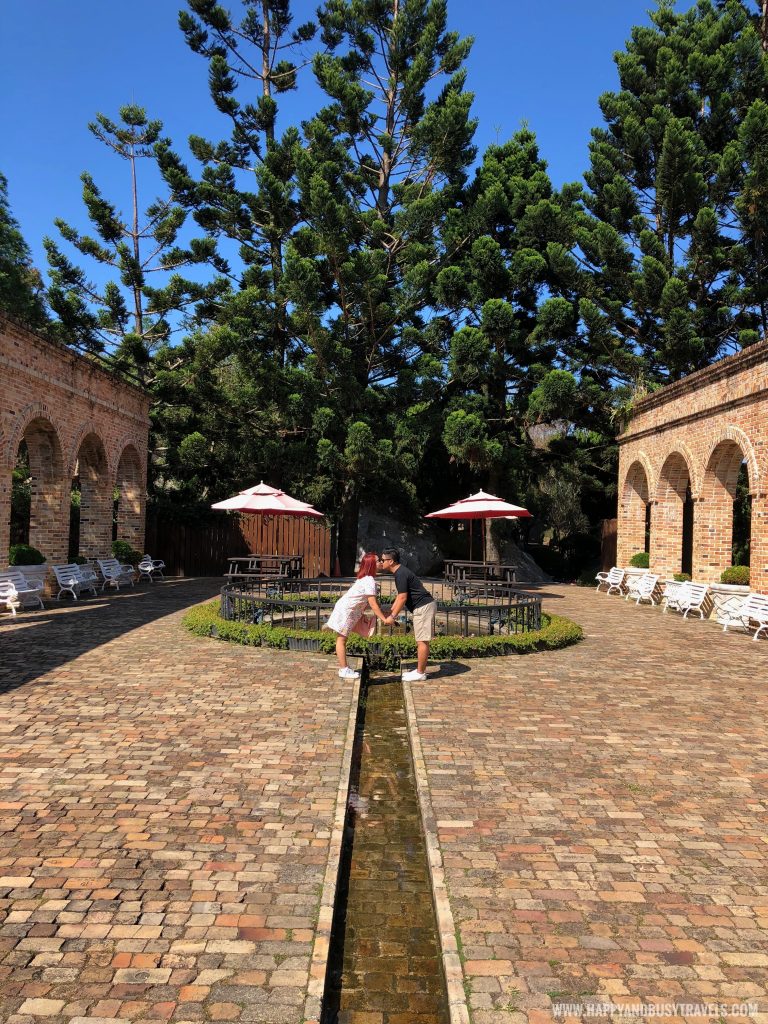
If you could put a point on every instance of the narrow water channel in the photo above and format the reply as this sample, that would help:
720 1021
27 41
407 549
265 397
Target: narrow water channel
385 958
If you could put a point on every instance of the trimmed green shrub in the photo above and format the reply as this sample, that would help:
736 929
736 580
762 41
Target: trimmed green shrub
123 551
24 554
641 560
80 560
556 632
736 574
681 577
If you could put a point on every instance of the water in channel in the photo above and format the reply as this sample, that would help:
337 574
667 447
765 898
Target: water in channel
385 957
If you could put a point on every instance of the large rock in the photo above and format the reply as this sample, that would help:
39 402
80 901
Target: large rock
418 545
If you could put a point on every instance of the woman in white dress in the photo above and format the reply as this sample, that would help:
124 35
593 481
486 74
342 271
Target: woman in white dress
348 613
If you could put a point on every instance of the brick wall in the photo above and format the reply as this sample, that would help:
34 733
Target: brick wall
73 415
689 440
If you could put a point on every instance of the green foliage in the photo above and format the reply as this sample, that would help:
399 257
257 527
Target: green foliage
132 315
23 554
556 632
640 560
124 552
80 560
677 246
681 577
20 283
738 574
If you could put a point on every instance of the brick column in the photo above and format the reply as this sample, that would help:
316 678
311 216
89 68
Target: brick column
630 528
758 553
49 518
131 514
95 519
712 536
5 513
667 535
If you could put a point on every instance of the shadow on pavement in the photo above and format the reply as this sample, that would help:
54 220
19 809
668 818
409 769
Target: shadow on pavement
34 643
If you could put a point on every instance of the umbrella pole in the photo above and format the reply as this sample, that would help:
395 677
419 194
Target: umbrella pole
470 538
483 542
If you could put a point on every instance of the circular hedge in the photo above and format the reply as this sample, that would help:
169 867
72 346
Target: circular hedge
556 632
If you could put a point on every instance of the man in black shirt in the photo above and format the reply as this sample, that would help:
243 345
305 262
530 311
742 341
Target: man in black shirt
412 594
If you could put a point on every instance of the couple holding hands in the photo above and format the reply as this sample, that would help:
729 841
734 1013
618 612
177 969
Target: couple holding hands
348 615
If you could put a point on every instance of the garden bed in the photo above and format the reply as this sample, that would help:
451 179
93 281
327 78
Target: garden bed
387 651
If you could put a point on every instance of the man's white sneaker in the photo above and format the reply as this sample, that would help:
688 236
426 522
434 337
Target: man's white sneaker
414 676
348 673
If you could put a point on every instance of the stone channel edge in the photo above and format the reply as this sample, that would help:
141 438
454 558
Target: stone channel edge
452 968
319 963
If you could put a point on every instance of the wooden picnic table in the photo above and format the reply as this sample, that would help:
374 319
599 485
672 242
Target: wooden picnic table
458 571
285 566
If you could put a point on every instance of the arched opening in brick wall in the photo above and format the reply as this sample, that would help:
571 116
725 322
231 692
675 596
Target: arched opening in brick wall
714 549
20 497
130 502
634 508
49 486
671 533
95 486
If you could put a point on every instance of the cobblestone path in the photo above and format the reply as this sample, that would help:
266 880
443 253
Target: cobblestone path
603 816
166 805
165 814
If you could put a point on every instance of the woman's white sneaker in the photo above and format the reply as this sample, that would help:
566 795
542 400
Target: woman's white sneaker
414 676
348 673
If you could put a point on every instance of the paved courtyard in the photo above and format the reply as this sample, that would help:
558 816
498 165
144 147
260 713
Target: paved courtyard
168 806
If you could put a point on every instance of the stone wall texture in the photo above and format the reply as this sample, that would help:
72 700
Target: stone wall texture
688 442
75 418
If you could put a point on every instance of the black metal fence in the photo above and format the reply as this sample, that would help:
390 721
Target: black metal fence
470 609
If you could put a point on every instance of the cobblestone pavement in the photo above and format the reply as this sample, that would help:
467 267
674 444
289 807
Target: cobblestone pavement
165 814
166 804
602 816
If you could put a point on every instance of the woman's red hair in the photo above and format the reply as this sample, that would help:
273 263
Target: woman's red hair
368 565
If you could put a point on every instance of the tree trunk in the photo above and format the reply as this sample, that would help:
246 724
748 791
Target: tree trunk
347 539
491 553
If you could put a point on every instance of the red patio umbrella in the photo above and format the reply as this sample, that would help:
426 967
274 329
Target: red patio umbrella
480 506
267 501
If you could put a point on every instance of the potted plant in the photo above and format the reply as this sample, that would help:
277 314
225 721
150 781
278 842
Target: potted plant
29 561
729 594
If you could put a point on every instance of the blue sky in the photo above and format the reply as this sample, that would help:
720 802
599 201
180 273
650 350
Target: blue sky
542 61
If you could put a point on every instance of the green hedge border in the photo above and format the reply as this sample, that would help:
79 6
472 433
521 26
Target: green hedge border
556 632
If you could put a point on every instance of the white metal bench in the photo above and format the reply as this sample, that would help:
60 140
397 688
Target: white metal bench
115 573
150 567
614 580
26 593
752 612
690 597
643 588
74 579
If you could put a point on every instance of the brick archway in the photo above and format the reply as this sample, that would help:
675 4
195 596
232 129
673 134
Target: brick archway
635 496
698 432
72 414
131 510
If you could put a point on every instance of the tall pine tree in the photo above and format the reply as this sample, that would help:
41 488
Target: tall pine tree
128 318
383 163
21 291
677 246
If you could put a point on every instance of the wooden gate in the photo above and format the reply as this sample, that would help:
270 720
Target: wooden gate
192 550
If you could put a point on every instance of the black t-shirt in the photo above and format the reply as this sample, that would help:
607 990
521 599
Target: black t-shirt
408 582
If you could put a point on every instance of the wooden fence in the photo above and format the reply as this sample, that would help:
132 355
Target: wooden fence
192 550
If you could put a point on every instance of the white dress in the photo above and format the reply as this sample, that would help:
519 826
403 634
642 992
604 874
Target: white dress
349 608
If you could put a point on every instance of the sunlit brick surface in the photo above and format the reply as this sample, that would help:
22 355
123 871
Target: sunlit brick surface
165 812
602 814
